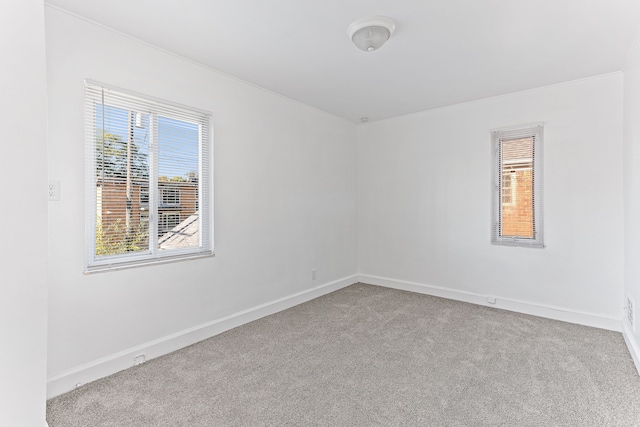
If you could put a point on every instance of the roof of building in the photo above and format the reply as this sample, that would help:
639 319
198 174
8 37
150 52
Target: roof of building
184 235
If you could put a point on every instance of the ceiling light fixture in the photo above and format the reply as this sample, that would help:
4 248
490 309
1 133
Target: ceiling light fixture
371 33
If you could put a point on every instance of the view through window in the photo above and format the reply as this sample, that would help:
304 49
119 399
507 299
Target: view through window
146 164
516 210
518 185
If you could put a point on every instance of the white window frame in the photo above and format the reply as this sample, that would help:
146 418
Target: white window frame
536 131
153 107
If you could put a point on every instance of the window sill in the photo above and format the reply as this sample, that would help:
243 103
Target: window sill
114 265
519 243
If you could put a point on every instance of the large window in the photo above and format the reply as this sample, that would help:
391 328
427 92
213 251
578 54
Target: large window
148 180
517 201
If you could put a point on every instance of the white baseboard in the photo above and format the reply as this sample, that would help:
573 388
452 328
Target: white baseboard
550 312
67 380
632 344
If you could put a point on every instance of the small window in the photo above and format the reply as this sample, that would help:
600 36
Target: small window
144 196
517 210
170 196
143 156
509 189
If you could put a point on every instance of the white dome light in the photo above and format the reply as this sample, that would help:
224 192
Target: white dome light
371 33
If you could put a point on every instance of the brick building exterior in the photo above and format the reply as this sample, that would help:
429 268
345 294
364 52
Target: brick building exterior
176 202
516 216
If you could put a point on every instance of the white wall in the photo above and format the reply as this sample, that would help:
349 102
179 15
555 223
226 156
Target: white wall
285 202
425 203
23 170
632 191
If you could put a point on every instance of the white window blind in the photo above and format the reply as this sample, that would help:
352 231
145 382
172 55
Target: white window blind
517 181
148 179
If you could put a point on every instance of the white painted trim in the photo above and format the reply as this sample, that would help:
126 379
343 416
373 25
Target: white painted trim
540 310
632 344
100 368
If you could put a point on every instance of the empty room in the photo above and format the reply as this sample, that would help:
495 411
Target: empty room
320 213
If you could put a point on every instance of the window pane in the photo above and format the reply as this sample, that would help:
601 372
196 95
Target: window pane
122 176
178 184
516 209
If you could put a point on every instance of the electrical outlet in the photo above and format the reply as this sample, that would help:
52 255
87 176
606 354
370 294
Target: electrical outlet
54 190
631 315
313 274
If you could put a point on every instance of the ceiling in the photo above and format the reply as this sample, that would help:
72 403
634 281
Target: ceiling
443 52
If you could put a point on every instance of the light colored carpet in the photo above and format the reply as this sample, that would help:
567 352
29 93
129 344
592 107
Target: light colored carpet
368 355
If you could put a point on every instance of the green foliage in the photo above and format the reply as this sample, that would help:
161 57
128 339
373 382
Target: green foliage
173 179
114 238
111 157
